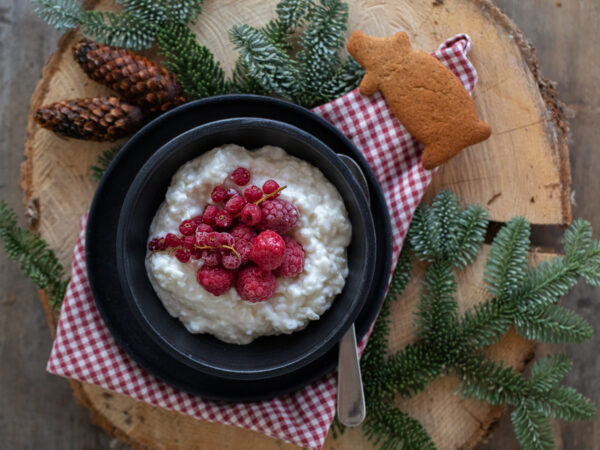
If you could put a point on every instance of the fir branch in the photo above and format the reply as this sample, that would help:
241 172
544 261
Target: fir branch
486 323
33 255
265 62
471 228
102 162
197 71
532 428
135 28
61 14
507 261
412 368
564 403
489 380
402 272
437 313
390 428
553 324
546 373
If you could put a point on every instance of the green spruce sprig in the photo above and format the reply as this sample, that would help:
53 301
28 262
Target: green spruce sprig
448 238
316 73
102 162
135 28
33 255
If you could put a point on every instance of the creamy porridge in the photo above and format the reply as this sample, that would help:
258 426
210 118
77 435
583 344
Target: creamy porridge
323 230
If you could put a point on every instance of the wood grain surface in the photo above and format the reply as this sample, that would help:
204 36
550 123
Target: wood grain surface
40 414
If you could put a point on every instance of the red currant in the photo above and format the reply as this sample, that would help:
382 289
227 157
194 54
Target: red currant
235 204
183 255
241 176
209 215
223 219
220 194
253 193
172 241
187 227
270 186
251 214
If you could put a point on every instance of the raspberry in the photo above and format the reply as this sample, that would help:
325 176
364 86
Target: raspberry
211 258
223 219
253 193
172 241
187 227
270 186
267 250
230 260
255 284
251 214
278 215
293 259
209 215
216 280
235 204
241 176
220 194
243 232
183 255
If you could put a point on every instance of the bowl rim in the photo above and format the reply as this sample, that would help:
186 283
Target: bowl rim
304 358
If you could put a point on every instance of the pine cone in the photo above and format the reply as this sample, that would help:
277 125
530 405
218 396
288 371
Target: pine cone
134 77
96 119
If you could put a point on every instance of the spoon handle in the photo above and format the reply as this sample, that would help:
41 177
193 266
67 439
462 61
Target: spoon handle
351 409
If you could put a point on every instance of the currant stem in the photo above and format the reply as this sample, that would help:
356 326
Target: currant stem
272 194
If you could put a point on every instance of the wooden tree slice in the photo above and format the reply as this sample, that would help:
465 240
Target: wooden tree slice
522 169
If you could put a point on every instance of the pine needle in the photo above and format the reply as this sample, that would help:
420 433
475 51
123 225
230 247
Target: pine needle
33 255
102 162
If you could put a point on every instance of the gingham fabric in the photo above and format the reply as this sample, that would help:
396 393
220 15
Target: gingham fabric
84 349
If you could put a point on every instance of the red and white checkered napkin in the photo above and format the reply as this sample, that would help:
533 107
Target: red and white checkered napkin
85 350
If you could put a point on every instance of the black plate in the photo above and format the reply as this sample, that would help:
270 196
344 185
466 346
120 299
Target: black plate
102 229
264 357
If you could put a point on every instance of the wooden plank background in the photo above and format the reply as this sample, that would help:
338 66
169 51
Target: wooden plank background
37 410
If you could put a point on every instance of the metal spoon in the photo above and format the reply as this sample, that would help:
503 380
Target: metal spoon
351 408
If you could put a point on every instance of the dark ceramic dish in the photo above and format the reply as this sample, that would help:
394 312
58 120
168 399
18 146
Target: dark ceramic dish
101 258
267 356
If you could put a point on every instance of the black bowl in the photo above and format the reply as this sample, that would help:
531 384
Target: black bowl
265 357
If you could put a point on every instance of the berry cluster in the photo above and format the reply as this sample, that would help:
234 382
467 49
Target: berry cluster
241 239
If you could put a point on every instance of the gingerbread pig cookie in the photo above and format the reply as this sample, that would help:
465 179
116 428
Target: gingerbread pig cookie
427 98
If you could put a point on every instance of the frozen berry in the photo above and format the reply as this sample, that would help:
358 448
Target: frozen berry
241 176
183 255
209 215
270 186
235 204
220 194
225 239
230 260
153 244
251 214
197 220
212 239
243 232
211 258
216 280
293 259
203 228
172 240
161 244
187 227
223 219
189 242
196 253
253 193
278 215
267 250
255 284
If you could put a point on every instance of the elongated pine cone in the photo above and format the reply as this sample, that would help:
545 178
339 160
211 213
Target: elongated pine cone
134 77
96 119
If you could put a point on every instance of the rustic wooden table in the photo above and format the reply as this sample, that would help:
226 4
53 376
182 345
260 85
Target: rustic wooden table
37 410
